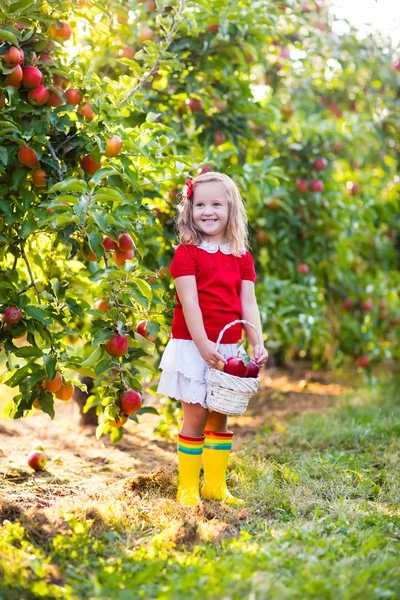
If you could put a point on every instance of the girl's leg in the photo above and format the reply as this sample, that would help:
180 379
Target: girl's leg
217 447
190 450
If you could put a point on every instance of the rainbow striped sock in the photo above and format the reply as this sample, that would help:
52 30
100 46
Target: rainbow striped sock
190 445
216 440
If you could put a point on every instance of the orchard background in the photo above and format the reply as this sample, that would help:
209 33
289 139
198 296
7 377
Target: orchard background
106 108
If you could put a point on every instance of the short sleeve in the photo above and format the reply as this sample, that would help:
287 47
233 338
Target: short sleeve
247 267
183 263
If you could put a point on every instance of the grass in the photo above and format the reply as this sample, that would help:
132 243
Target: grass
322 521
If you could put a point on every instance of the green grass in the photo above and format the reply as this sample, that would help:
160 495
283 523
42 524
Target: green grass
322 521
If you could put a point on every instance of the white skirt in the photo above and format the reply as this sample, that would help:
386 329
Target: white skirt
183 371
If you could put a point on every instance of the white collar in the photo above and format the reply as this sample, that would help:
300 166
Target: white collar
213 248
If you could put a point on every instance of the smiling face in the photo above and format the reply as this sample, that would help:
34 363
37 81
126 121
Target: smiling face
211 211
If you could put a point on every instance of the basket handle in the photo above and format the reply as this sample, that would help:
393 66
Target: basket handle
234 323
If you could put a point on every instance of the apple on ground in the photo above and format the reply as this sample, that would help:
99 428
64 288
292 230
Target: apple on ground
37 460
12 315
130 402
117 345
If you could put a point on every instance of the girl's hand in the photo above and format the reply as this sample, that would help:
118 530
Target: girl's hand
260 354
209 353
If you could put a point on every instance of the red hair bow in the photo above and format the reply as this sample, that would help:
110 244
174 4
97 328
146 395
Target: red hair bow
189 188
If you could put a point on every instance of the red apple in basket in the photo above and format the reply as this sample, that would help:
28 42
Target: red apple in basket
254 369
235 366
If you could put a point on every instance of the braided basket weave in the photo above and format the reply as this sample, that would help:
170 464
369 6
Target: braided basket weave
228 394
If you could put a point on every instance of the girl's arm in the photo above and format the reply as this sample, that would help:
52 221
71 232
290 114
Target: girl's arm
187 292
251 313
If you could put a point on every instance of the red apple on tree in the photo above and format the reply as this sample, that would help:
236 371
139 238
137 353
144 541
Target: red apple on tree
109 244
55 99
90 165
60 30
219 137
37 460
316 185
113 146
353 187
102 305
362 361
320 164
38 96
39 177
73 97
127 52
194 104
145 34
303 268
301 186
130 402
213 27
12 315
117 345
367 305
14 78
121 257
27 157
205 169
347 303
86 111
13 57
141 329
125 242
31 77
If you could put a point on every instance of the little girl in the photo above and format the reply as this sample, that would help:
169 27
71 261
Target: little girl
214 277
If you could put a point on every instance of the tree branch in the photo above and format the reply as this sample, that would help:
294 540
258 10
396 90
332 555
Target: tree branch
154 68
28 266
58 167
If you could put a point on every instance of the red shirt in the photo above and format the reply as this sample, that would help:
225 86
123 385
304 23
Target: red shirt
219 281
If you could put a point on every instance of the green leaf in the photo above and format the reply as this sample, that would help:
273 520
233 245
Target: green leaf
145 344
100 429
70 185
103 366
94 357
27 351
20 5
39 314
95 240
19 376
8 36
47 403
204 4
3 155
116 434
50 363
101 219
149 410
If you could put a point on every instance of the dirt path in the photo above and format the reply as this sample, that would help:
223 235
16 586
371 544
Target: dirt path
82 468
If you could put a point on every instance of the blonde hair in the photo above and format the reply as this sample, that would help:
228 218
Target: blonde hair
236 229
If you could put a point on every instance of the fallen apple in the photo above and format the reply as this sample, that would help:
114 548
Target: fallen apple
37 460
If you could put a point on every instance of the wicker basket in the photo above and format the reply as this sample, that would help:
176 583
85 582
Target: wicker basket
228 394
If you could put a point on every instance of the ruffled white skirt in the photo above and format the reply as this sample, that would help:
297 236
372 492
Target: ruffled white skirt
183 371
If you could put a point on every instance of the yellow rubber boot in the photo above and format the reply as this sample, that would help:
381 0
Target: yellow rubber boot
190 450
217 447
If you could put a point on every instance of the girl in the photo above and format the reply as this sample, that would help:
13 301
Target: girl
214 277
